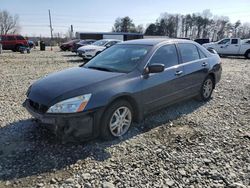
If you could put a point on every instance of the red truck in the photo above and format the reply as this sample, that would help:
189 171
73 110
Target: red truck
13 42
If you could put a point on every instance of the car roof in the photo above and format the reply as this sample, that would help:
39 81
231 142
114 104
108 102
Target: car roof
110 39
155 41
11 35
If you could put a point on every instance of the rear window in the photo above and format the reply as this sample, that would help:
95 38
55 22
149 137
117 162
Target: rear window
20 37
202 55
188 52
234 41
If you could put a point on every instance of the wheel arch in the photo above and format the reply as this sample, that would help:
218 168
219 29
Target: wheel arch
213 77
132 101
248 51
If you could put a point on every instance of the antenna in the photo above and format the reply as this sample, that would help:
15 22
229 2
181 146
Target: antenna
51 31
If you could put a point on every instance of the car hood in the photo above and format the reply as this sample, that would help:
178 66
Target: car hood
91 47
66 84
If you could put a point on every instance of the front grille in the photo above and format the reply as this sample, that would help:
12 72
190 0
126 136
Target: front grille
40 108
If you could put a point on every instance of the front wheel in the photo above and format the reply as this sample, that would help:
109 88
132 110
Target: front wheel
117 120
17 48
206 89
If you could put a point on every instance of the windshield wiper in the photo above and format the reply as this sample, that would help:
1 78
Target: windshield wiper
101 68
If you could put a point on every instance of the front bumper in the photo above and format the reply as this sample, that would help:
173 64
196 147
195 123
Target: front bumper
83 125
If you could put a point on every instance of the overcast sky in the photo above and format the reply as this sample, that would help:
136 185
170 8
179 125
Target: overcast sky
99 15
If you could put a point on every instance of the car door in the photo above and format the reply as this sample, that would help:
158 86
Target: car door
221 46
162 88
195 65
10 42
233 48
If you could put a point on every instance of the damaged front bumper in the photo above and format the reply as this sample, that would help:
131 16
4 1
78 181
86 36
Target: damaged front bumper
81 125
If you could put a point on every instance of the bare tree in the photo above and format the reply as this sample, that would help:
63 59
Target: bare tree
8 23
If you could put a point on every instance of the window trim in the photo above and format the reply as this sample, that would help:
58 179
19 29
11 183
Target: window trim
199 50
182 62
177 52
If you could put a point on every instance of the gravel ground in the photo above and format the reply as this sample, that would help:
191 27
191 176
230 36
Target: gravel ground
190 144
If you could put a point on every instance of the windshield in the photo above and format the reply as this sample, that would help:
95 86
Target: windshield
119 58
100 42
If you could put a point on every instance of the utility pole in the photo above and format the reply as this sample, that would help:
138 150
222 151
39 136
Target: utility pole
51 31
71 32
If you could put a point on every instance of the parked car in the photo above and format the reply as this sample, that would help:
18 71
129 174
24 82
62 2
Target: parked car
90 51
121 85
13 42
67 46
82 43
202 41
231 47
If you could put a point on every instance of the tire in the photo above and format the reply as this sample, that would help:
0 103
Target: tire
247 55
17 47
109 128
206 89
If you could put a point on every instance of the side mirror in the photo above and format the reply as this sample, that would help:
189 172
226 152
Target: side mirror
155 68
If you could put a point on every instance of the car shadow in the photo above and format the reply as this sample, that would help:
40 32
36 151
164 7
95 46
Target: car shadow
76 61
69 55
234 57
27 149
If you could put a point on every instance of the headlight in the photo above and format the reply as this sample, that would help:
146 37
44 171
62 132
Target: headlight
76 104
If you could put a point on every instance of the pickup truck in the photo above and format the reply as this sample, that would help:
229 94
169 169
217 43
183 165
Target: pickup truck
231 47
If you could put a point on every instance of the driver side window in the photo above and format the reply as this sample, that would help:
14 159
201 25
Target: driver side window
225 41
166 55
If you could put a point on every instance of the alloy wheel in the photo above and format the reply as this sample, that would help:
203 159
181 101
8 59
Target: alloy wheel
207 88
120 121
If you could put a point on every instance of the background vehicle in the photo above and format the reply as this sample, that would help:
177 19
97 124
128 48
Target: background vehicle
89 51
82 43
202 41
123 84
67 46
13 42
231 47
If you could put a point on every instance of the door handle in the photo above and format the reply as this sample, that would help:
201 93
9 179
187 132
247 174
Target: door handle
178 73
204 64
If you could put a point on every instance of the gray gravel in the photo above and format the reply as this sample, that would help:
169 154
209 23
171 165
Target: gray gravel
190 144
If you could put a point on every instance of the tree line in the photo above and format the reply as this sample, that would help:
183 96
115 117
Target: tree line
8 23
193 26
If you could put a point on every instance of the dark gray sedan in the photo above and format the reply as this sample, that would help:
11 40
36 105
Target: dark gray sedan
122 85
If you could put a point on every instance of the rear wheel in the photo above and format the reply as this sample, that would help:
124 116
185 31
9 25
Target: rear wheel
116 120
247 55
206 89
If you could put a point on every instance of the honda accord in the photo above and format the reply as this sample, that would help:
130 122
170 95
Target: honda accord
122 85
